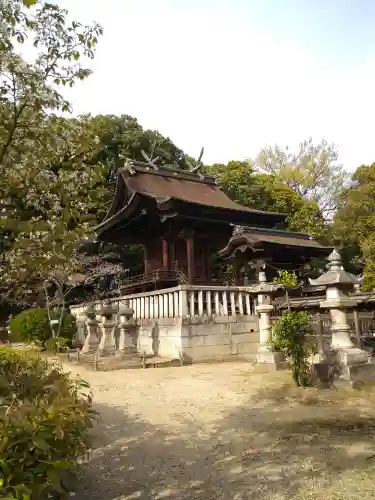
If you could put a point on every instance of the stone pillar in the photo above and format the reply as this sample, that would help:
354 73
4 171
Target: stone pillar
126 344
92 340
264 292
108 325
351 363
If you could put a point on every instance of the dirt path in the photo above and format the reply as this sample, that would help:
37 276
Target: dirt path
201 432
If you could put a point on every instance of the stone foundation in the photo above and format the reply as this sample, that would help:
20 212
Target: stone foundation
200 339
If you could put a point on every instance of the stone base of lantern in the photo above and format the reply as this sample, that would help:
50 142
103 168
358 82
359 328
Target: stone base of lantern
271 361
90 345
354 366
127 351
348 365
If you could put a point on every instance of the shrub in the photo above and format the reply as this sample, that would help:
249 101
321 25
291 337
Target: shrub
54 345
33 325
292 337
45 417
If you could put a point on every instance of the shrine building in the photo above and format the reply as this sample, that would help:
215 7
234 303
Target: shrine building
184 221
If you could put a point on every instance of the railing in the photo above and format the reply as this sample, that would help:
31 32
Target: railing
154 277
188 301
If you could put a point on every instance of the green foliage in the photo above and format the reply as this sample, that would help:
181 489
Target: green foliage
242 183
54 345
291 337
42 219
354 222
312 172
287 279
33 325
45 417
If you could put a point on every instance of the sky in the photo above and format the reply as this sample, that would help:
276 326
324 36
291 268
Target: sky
236 75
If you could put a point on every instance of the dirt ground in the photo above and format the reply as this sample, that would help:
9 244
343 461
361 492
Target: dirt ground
225 431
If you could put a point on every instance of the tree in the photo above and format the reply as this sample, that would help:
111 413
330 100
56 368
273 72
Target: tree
312 172
42 213
242 183
354 222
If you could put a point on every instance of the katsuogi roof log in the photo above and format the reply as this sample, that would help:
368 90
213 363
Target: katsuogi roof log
147 195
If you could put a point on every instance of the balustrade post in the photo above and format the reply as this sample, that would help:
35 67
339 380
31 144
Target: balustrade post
147 307
208 303
170 305
176 304
151 307
233 303
248 310
156 307
166 308
183 303
217 303
225 303
240 303
192 303
200 303
161 306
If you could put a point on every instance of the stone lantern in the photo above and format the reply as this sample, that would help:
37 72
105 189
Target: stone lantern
353 362
108 325
265 292
92 339
126 344
81 328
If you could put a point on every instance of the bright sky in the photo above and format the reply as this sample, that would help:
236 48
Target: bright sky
236 75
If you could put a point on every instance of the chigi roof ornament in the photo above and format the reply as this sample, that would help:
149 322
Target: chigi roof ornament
150 160
197 165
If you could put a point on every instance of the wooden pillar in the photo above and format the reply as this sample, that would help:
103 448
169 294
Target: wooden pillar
204 261
172 255
209 265
237 271
146 261
190 259
165 254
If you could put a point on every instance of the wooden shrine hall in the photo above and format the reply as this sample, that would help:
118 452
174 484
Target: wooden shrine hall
183 219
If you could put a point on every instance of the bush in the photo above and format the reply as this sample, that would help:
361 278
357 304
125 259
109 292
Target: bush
33 325
292 336
45 417
54 345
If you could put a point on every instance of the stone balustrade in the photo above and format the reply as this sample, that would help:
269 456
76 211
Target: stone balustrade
186 301
192 301
198 322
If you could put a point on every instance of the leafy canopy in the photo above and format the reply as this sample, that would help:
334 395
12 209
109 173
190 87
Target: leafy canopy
42 216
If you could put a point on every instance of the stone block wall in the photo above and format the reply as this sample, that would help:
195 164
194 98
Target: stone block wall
207 339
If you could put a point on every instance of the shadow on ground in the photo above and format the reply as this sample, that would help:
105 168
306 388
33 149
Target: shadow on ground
252 453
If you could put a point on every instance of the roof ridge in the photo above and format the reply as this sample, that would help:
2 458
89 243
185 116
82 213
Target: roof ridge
132 167
295 234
